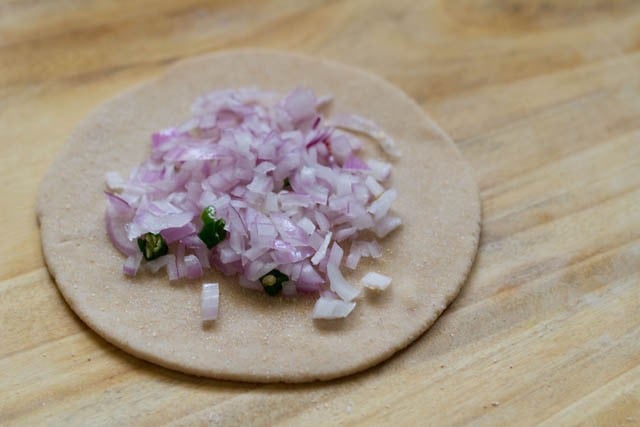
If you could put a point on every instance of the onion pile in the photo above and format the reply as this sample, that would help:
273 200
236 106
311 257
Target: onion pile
281 188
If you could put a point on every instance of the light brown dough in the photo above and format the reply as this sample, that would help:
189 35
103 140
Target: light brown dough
256 337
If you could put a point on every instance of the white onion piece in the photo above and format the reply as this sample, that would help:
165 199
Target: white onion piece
375 251
344 233
271 202
192 266
329 308
155 265
180 265
360 249
172 267
249 284
352 260
117 232
132 263
300 104
147 222
322 251
382 204
379 170
308 226
203 256
323 101
376 281
289 289
387 225
335 255
360 124
373 186
209 301
114 181
228 255
256 269
340 285
357 251
322 221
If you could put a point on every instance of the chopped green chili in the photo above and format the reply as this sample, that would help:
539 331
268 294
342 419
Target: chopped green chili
213 231
152 246
272 282
287 184
208 215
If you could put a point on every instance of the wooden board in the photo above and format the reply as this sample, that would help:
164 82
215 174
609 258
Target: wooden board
542 97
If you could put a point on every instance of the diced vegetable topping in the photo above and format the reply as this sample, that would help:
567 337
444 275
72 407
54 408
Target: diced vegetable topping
272 282
332 308
213 231
209 301
376 281
152 246
286 185
260 187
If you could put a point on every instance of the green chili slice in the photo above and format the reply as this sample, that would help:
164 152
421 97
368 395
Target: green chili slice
208 215
213 231
272 282
152 246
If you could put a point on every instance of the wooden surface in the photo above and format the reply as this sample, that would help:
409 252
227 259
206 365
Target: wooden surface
542 97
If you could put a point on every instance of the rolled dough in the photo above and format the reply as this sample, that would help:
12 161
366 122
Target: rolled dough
256 337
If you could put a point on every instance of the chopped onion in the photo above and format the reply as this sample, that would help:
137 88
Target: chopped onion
300 105
381 205
285 183
288 289
171 235
148 222
344 233
209 301
329 308
360 124
335 256
117 232
308 226
374 249
203 256
309 280
357 251
376 281
114 181
172 267
322 221
132 263
192 267
379 170
323 101
322 251
155 265
373 186
340 285
387 225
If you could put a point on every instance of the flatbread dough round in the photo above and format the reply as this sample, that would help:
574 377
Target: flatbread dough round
256 337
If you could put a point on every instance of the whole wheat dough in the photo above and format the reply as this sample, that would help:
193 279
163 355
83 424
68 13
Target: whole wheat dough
256 337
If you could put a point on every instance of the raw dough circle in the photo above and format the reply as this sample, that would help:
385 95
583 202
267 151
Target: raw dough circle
256 337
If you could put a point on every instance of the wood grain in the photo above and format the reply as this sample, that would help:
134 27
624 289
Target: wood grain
542 97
